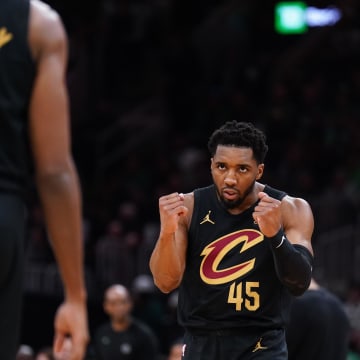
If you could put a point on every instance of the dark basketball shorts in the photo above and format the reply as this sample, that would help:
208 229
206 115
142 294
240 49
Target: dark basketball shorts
227 345
12 231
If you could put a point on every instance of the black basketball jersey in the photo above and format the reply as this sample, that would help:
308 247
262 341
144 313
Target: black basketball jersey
17 71
230 279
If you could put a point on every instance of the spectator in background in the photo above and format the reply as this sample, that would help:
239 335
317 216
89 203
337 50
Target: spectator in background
25 352
123 337
319 327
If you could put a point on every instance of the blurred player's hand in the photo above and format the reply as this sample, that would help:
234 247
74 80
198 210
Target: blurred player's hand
71 331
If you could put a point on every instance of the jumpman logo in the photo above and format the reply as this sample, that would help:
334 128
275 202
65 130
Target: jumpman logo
5 37
258 346
207 219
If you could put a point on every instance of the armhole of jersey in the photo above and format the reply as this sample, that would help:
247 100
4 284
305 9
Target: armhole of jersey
277 194
27 28
195 213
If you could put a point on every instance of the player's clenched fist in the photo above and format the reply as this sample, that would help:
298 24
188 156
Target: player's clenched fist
171 209
267 214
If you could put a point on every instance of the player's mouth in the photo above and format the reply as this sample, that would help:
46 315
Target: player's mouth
230 194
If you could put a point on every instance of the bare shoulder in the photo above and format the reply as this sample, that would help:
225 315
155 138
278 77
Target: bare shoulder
189 199
43 13
295 204
296 210
46 28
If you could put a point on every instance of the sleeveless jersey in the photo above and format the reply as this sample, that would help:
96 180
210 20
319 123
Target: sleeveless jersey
229 280
17 71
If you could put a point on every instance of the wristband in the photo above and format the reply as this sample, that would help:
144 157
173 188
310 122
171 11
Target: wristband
278 239
293 263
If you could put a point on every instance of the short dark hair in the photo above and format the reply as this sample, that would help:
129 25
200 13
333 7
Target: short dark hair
239 134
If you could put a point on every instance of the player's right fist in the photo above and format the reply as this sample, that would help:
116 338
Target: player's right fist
171 208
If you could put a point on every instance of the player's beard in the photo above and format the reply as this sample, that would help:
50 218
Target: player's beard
232 204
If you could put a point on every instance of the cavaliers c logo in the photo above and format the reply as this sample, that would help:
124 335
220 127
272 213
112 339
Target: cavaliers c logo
217 250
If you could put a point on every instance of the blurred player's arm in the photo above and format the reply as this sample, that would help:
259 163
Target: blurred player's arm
56 176
167 262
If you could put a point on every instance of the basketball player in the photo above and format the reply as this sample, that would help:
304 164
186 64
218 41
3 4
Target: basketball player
34 111
238 250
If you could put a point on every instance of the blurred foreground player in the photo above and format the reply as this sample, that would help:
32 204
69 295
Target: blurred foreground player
238 250
319 328
34 134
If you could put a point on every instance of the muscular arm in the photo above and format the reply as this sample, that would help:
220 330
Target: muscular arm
289 226
298 221
167 262
56 176
293 256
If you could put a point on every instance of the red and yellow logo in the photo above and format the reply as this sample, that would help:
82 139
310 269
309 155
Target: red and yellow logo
216 251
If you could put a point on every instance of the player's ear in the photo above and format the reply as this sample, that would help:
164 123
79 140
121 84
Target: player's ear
260 171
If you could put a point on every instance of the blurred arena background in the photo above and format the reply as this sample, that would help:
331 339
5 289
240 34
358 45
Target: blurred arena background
149 80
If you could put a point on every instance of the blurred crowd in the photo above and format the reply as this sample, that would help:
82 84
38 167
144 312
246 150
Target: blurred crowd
150 79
